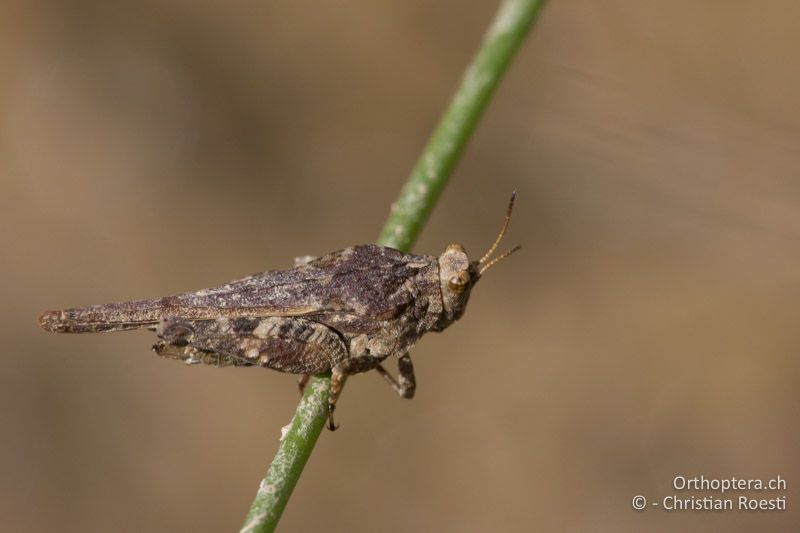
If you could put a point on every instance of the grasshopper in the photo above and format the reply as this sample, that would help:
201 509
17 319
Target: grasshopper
344 312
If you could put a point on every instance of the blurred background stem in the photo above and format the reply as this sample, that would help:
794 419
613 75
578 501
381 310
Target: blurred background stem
408 215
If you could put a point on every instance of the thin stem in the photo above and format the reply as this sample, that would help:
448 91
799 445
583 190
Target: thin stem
297 442
408 216
433 168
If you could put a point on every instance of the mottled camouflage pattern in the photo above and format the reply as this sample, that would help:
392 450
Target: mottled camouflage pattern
344 312
363 301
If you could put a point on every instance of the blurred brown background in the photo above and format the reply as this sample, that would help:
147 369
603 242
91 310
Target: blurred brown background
648 329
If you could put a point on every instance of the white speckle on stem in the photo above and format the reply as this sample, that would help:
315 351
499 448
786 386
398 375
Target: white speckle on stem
265 488
430 166
284 430
474 82
254 522
507 17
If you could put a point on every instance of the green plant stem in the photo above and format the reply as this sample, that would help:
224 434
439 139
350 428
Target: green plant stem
408 215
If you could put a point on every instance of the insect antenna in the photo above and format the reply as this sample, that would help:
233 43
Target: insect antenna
501 234
497 259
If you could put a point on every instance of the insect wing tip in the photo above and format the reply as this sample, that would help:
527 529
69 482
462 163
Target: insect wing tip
51 321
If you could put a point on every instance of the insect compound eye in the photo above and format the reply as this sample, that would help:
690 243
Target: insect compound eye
458 282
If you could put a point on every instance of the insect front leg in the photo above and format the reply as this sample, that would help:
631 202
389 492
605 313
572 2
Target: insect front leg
406 384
